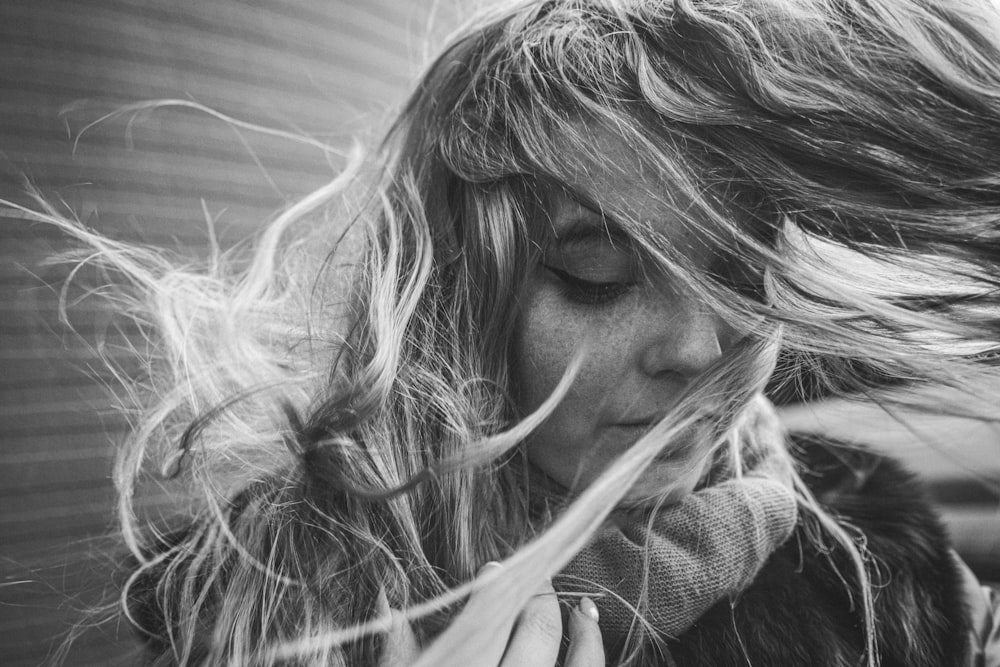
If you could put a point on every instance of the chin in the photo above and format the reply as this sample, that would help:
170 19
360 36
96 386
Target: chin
663 483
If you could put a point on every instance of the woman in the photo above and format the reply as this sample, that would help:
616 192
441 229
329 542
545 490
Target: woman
589 237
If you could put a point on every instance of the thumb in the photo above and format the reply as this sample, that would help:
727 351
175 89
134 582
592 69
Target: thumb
400 647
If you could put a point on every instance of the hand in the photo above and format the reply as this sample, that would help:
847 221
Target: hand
533 641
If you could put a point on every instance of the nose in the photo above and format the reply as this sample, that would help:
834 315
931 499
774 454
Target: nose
684 338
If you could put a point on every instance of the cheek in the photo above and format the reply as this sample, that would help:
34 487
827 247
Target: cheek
549 334
545 342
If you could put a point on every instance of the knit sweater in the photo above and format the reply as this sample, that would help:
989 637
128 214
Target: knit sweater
799 607
691 554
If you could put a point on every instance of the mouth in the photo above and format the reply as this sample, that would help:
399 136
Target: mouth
634 425
638 424
682 446
646 424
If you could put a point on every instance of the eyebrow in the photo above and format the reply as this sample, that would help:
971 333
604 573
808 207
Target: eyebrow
583 231
586 229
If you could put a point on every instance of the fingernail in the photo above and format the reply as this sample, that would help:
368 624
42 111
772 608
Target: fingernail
383 611
382 603
490 566
588 607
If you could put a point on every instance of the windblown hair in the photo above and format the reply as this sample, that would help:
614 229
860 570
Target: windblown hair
349 438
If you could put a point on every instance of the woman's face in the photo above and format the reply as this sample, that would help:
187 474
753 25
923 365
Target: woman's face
646 339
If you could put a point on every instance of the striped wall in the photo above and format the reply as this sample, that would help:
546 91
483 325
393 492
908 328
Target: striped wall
327 68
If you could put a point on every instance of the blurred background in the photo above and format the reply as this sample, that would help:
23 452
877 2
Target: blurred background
331 69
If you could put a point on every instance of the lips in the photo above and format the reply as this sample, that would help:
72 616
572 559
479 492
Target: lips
653 421
682 446
635 425
642 421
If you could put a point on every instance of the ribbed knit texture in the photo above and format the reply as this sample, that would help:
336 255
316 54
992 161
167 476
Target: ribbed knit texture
700 550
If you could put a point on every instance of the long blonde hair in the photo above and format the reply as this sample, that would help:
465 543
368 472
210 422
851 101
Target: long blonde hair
342 438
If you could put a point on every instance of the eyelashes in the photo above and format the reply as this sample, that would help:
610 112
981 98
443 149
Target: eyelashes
588 292
594 293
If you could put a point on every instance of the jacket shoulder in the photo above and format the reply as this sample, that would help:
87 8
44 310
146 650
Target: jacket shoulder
919 591
803 606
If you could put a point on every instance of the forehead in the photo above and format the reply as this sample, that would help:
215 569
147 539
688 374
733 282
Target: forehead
614 188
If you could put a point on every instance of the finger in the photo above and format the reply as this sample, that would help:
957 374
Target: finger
537 632
586 648
400 647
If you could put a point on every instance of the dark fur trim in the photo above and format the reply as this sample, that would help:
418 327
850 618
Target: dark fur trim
798 611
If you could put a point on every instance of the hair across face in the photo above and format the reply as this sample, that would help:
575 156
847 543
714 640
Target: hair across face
644 337
758 128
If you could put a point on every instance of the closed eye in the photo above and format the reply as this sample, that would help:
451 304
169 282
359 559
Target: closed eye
588 292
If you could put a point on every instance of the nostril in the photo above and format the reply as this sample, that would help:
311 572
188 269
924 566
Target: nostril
730 336
682 336
687 351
